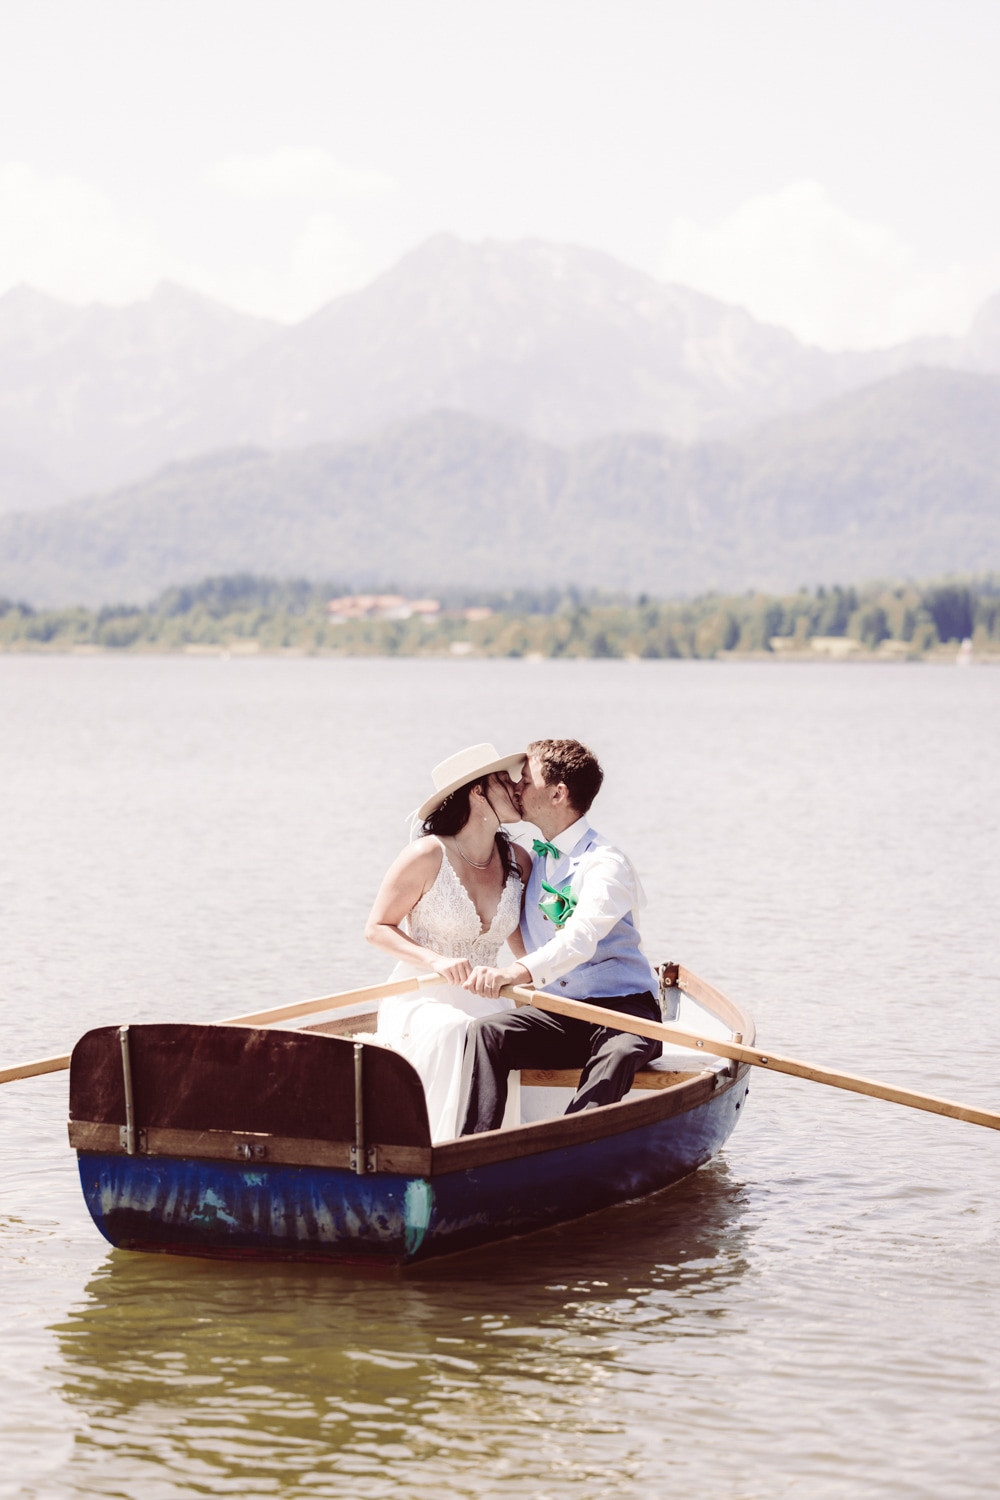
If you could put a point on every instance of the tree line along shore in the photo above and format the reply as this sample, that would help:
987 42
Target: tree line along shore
246 615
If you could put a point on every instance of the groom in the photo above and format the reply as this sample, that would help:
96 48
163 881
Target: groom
581 939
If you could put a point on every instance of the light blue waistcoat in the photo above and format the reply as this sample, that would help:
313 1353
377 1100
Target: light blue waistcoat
618 966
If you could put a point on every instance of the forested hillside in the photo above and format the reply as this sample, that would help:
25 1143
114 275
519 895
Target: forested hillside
901 479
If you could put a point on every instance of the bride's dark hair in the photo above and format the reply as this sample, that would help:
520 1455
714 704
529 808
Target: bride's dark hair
453 814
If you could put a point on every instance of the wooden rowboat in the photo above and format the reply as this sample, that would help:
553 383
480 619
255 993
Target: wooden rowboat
313 1143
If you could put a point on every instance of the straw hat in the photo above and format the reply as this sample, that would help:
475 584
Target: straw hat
465 766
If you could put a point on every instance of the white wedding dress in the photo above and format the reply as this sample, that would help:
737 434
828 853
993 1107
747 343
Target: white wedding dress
429 1029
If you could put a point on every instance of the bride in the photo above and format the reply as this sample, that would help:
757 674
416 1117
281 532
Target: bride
447 903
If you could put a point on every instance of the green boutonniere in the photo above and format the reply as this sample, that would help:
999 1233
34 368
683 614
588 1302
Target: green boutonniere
559 905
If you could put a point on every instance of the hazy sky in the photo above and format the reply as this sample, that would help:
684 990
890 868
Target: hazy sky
829 164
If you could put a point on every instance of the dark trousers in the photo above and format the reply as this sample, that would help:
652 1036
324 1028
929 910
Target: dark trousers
529 1038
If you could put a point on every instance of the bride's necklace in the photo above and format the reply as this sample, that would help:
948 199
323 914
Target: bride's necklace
472 862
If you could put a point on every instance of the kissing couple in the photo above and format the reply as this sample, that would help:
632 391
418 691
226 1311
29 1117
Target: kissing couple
567 912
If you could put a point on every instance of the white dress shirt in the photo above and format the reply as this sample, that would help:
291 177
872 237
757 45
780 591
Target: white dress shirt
606 888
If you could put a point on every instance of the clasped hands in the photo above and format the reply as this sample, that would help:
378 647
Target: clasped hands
481 979
486 981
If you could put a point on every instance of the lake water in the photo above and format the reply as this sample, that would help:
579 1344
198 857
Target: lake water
815 1314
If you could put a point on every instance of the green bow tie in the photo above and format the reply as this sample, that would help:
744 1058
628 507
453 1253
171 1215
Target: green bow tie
539 846
559 905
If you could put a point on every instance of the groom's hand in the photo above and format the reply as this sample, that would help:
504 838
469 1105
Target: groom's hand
486 981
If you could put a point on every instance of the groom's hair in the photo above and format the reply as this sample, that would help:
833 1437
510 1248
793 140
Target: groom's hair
574 765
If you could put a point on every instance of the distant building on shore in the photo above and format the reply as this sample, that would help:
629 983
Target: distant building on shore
834 645
396 607
379 607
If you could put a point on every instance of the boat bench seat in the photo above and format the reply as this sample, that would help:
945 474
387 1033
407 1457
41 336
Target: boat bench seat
569 1078
662 1073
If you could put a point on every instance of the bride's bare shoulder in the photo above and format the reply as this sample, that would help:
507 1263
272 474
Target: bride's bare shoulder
424 854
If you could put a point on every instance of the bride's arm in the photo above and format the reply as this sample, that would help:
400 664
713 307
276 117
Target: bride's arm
409 876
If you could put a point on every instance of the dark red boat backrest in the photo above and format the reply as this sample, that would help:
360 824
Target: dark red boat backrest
247 1079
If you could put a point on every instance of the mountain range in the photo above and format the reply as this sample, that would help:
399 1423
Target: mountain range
80 387
900 478
564 344
499 413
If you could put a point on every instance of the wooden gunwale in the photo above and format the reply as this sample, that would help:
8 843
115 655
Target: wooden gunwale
705 994
568 1131
225 1145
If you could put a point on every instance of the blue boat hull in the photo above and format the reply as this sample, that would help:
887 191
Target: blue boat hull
238 1209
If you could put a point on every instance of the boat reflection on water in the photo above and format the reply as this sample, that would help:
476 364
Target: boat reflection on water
504 1361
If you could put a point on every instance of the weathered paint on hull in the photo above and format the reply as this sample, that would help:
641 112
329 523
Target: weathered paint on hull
237 1210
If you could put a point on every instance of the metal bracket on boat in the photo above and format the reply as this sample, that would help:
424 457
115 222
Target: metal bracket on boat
249 1151
670 995
365 1161
133 1141
363 1158
731 1069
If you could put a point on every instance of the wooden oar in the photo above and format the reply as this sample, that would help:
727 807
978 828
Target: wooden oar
297 1008
581 1011
256 1018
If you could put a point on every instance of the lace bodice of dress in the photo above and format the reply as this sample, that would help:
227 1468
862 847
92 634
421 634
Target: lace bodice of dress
446 920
